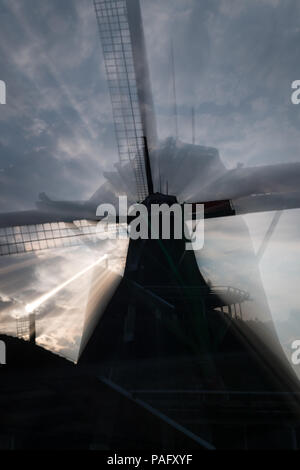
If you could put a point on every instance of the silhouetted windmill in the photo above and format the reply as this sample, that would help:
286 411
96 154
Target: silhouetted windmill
158 273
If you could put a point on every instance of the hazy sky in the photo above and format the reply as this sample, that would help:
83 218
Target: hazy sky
235 61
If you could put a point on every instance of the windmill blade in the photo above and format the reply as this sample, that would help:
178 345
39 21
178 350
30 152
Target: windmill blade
35 217
32 238
249 205
28 231
51 232
122 37
267 203
214 209
259 180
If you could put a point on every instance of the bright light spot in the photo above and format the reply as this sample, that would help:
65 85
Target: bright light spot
30 308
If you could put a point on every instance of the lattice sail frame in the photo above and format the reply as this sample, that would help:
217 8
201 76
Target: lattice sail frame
121 32
115 34
32 238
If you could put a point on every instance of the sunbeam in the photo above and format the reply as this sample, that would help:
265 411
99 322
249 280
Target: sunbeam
30 308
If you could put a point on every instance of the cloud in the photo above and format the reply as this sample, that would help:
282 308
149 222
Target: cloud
57 125
234 63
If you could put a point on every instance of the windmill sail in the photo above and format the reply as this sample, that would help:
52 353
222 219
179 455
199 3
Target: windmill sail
31 238
123 43
28 238
280 179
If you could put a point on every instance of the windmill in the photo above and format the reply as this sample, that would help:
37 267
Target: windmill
159 273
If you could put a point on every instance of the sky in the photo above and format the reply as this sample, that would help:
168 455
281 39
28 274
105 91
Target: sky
65 318
234 62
